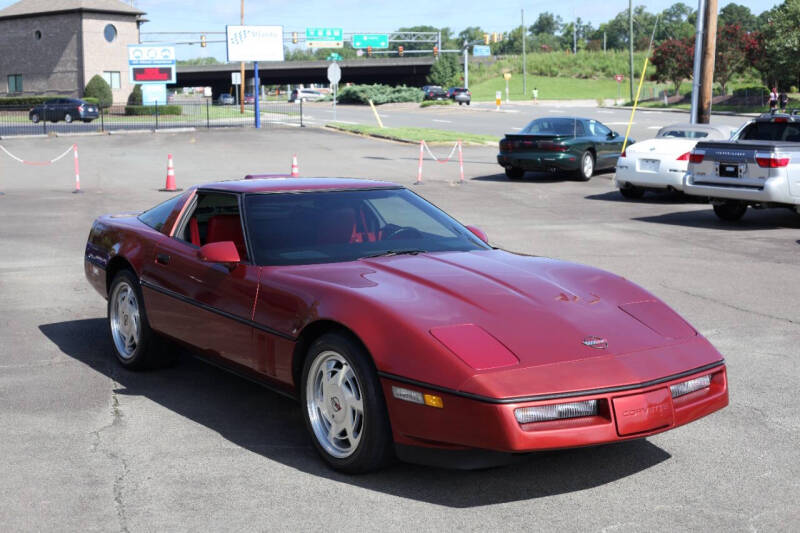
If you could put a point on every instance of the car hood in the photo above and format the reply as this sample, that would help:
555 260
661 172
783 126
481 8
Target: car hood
544 311
661 147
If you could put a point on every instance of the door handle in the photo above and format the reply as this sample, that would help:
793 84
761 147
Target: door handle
162 259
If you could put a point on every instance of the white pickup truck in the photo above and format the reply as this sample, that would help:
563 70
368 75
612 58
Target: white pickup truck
761 168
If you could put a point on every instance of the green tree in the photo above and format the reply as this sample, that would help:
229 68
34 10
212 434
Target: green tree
470 34
777 57
446 71
547 23
99 88
673 60
733 14
732 54
199 61
135 98
674 23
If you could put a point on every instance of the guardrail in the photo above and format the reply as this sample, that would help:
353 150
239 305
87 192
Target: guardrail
20 120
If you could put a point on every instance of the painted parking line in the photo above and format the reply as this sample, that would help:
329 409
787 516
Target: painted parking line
443 121
653 127
618 123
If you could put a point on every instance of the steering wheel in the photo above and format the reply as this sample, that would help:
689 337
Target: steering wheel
393 231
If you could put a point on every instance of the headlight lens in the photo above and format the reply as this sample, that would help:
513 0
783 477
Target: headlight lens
692 385
543 413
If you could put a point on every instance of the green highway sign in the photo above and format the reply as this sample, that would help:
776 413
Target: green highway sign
324 37
375 40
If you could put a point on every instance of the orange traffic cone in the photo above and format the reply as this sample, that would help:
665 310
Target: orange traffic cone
295 171
170 186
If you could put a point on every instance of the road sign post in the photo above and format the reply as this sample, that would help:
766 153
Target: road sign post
334 76
619 78
256 107
507 77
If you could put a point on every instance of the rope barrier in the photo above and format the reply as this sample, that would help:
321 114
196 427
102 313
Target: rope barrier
36 163
423 147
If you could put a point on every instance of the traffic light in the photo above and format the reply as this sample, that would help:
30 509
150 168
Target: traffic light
494 37
435 51
369 51
294 37
400 50
485 38
202 41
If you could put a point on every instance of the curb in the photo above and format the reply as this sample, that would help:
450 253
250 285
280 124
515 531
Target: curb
686 111
401 141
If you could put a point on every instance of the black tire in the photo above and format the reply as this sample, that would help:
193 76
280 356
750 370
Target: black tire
148 351
634 193
730 210
35 118
585 170
87 120
461 103
514 173
68 118
374 448
468 102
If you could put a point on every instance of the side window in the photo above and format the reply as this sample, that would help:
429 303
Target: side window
157 216
600 130
214 218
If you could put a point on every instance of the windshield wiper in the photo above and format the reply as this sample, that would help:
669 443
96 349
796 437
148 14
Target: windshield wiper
389 253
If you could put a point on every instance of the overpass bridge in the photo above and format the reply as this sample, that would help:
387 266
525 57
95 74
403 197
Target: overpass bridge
389 71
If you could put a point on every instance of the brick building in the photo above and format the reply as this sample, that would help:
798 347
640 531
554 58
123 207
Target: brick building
57 46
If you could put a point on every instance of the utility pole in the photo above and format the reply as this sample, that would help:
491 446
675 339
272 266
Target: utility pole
524 63
574 33
698 55
466 65
630 42
707 67
241 70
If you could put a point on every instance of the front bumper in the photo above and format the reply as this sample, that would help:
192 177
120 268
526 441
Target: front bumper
669 175
774 191
466 423
541 161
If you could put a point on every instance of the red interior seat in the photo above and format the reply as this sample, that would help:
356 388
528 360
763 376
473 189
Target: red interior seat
227 228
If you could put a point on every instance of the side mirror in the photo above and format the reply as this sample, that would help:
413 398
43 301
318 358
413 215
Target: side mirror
219 252
479 233
613 135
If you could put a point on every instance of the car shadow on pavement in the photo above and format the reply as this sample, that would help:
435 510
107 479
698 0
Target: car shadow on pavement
754 219
271 425
661 198
530 177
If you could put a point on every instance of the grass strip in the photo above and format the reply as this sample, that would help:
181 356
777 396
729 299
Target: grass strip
415 135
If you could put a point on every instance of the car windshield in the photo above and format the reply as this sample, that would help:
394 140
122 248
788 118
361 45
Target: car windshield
684 134
336 226
554 126
771 131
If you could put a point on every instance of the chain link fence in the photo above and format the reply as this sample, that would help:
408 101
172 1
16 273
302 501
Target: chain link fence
42 119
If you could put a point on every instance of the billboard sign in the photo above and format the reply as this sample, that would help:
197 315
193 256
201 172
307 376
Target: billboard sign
481 51
254 43
151 64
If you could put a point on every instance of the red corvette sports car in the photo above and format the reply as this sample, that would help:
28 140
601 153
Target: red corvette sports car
401 332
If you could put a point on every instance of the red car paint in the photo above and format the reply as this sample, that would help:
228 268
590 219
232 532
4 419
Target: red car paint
488 331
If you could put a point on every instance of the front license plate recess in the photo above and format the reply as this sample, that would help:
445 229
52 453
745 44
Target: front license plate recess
639 413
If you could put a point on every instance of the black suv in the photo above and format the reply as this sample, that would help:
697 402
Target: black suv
66 109
434 92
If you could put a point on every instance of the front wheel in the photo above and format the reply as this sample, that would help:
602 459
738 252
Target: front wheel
345 410
68 118
132 337
35 118
514 173
586 168
730 210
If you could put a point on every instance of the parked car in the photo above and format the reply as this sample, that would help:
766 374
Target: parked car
225 99
434 92
399 330
305 95
560 144
460 95
660 164
66 109
760 167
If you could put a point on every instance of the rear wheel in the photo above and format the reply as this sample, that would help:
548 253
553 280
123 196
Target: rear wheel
632 192
67 118
730 210
586 168
514 173
345 410
35 118
135 344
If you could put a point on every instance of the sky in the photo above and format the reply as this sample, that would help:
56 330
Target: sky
362 16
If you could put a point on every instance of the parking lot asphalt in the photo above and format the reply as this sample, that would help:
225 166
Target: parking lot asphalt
85 445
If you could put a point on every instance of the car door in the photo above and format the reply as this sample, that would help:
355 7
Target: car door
206 305
608 147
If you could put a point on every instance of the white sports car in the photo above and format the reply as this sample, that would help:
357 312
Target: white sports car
659 164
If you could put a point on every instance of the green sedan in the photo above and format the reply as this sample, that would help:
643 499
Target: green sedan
561 144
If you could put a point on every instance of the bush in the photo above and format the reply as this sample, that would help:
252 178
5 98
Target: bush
379 94
139 110
135 98
99 88
28 101
90 100
428 103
